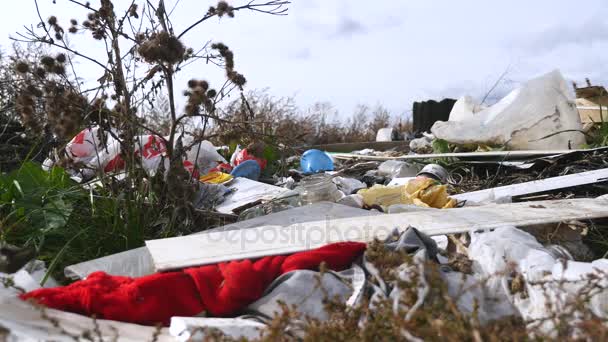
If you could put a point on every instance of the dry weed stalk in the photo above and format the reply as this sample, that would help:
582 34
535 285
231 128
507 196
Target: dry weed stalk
140 36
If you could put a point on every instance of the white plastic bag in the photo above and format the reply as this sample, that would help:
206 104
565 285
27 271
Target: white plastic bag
465 109
205 156
539 115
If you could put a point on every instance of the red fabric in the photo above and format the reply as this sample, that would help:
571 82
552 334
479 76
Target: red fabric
244 155
222 289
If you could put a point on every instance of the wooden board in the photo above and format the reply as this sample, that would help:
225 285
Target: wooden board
349 147
504 155
201 249
591 112
548 184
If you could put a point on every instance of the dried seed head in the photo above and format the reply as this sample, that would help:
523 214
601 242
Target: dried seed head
203 84
211 93
22 67
99 34
86 24
40 72
222 9
59 69
133 11
74 22
58 36
222 6
47 61
162 48
60 58
192 83
237 78
73 29
219 46
52 20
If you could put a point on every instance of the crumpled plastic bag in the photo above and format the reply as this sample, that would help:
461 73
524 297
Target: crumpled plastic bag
550 285
203 154
429 193
98 151
348 185
420 191
244 155
540 115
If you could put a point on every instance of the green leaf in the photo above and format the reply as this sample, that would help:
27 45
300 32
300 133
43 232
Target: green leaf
440 146
56 214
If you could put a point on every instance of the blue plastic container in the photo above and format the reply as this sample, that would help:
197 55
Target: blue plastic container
315 161
248 169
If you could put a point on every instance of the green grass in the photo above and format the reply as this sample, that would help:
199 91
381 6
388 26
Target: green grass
66 223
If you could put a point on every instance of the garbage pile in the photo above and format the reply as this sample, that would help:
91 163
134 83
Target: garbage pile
512 220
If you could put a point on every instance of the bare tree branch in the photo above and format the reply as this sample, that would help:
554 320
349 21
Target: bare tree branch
277 7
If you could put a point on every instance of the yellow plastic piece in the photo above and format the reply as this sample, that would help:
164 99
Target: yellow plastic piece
215 178
423 192
382 195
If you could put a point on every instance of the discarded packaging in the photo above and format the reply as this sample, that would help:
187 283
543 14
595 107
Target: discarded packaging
465 109
348 185
397 168
245 192
539 115
434 171
315 161
422 145
216 178
421 191
318 188
99 151
242 155
249 169
385 134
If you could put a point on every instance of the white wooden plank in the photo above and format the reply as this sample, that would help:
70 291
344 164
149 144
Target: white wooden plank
501 154
554 183
247 191
180 252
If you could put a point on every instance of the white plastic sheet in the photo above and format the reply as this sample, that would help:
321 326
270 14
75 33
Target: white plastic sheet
523 120
552 284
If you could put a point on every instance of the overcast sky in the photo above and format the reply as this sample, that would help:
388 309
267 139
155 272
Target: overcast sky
391 52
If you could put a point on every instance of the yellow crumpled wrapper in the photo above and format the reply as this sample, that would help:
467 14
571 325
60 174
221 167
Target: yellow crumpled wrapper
423 192
215 177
